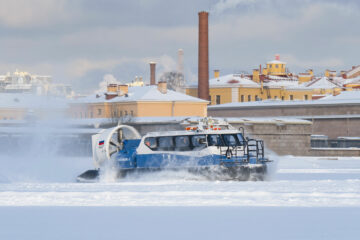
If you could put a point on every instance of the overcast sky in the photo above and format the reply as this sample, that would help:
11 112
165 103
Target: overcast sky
81 41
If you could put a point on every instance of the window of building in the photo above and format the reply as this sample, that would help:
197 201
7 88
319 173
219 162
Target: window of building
242 98
121 114
306 97
277 65
125 113
276 97
91 114
269 97
218 99
270 65
131 113
282 98
249 98
81 115
291 97
99 111
257 98
210 99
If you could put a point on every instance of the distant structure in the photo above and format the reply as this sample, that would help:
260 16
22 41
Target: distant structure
152 73
175 81
203 64
137 82
24 82
180 67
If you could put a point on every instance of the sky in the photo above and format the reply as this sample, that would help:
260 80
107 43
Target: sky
82 42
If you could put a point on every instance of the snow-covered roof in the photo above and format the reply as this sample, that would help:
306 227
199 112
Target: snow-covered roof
230 80
28 100
348 97
231 120
323 83
353 70
276 62
289 84
284 78
351 80
236 80
145 93
344 96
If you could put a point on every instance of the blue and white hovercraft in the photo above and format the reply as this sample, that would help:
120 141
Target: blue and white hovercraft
212 147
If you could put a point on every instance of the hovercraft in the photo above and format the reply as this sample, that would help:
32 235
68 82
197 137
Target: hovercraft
211 147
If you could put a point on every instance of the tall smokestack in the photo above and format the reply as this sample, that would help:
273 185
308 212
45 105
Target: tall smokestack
152 73
180 61
203 65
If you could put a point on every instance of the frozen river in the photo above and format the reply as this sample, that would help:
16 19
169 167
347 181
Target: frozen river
305 198
305 182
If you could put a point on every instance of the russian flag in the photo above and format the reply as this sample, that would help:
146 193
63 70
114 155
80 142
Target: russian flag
101 143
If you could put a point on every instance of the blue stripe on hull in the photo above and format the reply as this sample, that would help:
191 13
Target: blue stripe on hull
167 160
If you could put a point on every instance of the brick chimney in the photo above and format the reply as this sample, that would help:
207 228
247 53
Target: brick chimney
203 64
162 87
122 90
112 88
152 73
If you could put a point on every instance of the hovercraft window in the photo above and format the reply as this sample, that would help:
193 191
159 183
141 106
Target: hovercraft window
241 138
198 141
230 140
182 143
166 143
151 143
214 140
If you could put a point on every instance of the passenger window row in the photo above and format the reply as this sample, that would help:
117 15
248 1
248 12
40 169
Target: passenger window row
193 142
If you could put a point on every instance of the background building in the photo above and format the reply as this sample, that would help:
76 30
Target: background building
241 88
24 82
148 101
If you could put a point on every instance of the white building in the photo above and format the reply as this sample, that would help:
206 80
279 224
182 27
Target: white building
24 82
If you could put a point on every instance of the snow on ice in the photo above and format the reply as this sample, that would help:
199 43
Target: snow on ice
305 198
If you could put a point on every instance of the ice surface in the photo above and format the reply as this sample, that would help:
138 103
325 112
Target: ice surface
305 198
179 223
301 182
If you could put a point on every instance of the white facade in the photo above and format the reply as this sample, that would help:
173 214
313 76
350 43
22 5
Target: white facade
24 82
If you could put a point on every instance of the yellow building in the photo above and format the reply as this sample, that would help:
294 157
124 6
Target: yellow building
323 86
147 101
306 77
330 73
238 88
275 67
